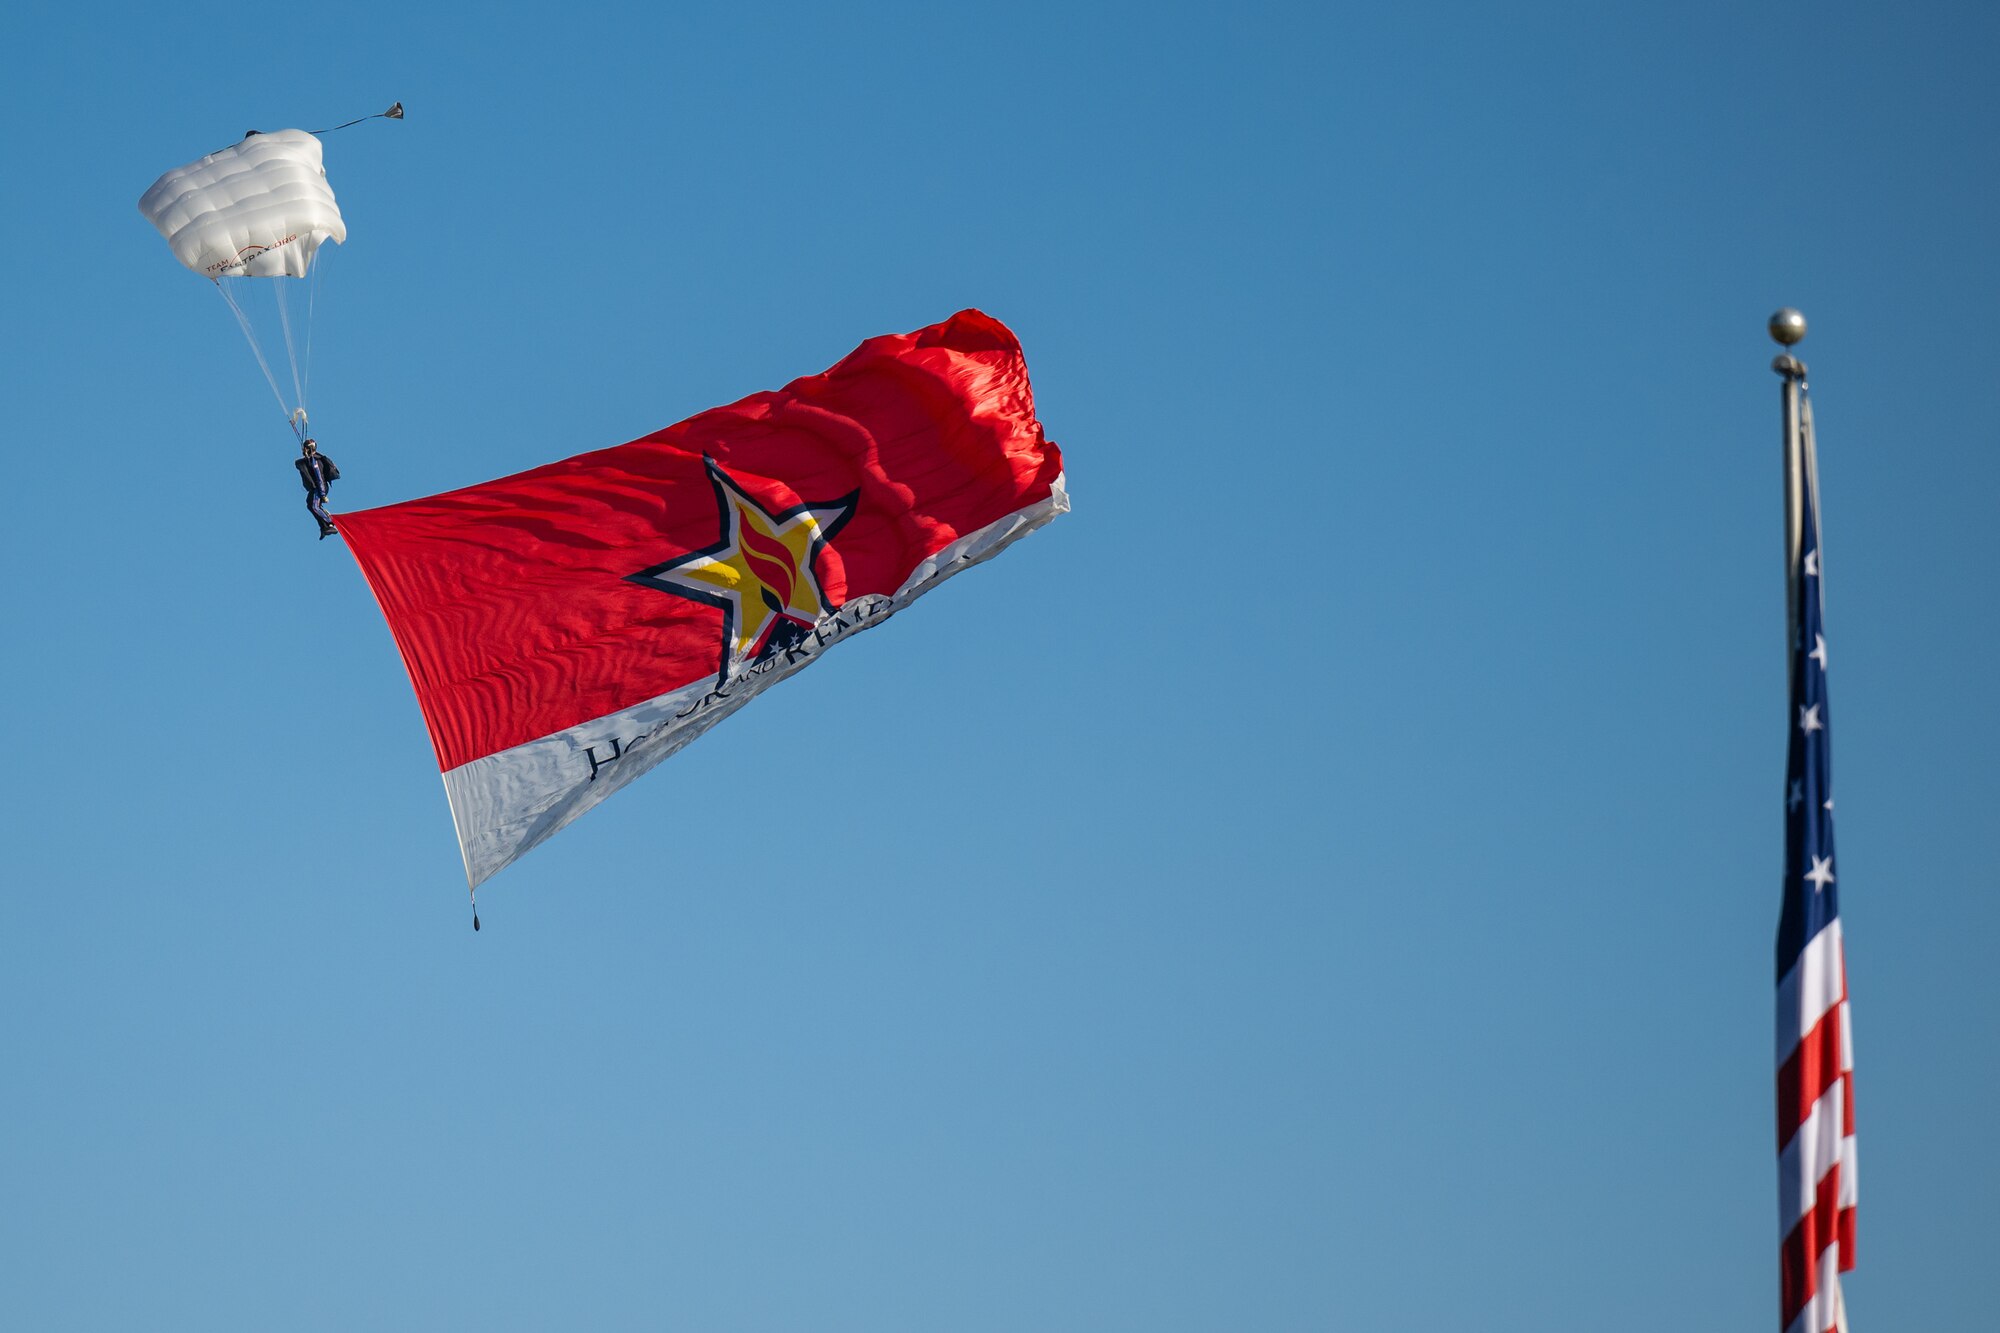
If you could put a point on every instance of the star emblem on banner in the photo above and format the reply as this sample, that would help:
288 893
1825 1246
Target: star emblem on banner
1821 873
762 573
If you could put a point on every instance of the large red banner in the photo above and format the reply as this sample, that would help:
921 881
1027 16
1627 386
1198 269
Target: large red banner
568 627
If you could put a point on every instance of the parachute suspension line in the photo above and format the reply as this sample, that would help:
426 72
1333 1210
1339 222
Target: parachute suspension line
291 346
312 299
250 336
474 895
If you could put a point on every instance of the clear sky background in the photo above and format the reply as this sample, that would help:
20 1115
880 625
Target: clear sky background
1326 881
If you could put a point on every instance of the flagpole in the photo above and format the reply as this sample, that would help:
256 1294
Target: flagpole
1787 327
1800 466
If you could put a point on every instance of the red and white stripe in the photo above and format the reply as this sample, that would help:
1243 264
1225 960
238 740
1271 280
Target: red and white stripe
1816 1179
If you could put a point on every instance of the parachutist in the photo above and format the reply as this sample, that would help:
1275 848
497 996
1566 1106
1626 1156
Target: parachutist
318 473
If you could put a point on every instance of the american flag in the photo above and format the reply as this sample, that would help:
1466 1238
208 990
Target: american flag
1816 1183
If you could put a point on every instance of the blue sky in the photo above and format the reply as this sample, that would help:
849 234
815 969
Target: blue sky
1325 881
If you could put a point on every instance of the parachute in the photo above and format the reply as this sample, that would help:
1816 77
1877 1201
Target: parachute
260 209
253 218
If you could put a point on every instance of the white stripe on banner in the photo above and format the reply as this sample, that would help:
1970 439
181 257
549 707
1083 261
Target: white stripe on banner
507 803
1816 983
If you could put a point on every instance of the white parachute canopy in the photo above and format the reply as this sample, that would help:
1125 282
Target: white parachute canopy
260 209
252 218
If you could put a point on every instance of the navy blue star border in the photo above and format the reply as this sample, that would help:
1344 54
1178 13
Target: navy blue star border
1811 893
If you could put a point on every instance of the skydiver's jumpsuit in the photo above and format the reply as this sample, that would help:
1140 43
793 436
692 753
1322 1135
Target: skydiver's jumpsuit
318 473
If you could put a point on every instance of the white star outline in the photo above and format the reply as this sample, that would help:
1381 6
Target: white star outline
1821 873
819 520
